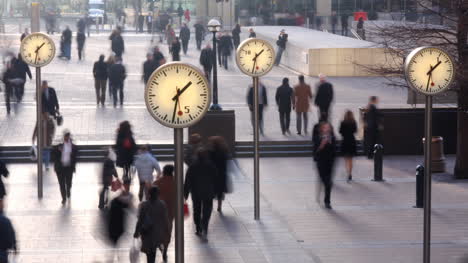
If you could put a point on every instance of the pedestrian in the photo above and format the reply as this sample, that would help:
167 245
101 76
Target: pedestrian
100 80
199 33
284 99
262 103
334 21
348 128
125 148
372 122
3 173
158 57
219 155
194 143
8 77
200 183
48 127
252 33
152 225
344 25
149 23
302 97
117 75
65 42
65 157
81 25
187 15
324 156
80 40
236 35
324 96
141 22
7 236
117 43
22 69
167 188
175 49
145 163
149 66
180 13
110 61
206 60
50 103
281 43
226 46
25 34
108 173
360 29
184 36
170 36
219 48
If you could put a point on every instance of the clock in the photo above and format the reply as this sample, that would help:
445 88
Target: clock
255 57
429 70
177 95
37 50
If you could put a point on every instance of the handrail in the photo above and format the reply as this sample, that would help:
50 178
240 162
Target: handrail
355 34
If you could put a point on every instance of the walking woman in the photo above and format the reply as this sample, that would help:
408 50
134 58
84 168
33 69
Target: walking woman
348 128
219 155
108 173
125 148
167 194
65 164
152 225
324 156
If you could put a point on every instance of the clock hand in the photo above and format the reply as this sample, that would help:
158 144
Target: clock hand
35 60
253 67
256 55
432 68
181 91
428 81
175 110
39 47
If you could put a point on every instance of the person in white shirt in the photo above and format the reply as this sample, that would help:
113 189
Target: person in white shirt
145 163
65 164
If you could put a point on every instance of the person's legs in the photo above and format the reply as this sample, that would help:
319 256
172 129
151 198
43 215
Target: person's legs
279 53
305 115
325 176
207 209
46 156
7 97
97 87
141 190
299 122
121 93
114 88
102 84
61 181
260 117
197 207
282 116
288 120
68 172
151 257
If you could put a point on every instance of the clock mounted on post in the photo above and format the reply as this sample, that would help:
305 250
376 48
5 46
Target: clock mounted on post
37 50
255 57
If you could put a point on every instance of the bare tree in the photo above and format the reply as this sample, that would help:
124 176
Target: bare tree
401 37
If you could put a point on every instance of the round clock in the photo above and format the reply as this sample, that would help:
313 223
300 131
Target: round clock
37 49
255 57
177 95
429 70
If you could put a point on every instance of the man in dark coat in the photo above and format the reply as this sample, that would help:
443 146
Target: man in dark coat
3 173
344 25
81 25
281 43
226 46
199 33
284 97
50 102
236 35
100 80
80 41
148 67
252 33
9 75
206 60
262 103
117 76
372 121
324 96
117 43
184 36
200 182
65 157
324 155
158 57
21 69
7 236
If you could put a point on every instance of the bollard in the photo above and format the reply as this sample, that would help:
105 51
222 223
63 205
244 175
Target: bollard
378 162
419 186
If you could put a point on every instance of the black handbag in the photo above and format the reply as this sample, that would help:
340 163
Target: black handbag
59 119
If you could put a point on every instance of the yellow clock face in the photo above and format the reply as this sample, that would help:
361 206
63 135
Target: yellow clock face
177 95
37 49
429 70
255 57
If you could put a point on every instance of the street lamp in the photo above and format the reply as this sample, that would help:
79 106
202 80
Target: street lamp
214 26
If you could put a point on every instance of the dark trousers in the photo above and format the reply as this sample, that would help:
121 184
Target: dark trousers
142 191
334 28
100 86
117 88
344 31
325 173
185 45
151 257
80 53
20 91
202 209
302 116
207 73
224 60
104 195
260 117
371 138
65 177
324 111
8 92
285 119
199 42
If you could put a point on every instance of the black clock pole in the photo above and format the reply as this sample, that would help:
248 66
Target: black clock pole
179 213
40 132
256 152
427 180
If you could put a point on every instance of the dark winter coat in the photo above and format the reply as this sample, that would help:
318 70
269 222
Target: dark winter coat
199 31
219 159
326 154
117 74
148 67
281 42
152 225
7 237
117 218
67 36
225 44
125 148
108 171
206 58
100 70
57 157
51 104
200 180
261 100
284 97
324 95
21 68
236 36
3 173
175 51
184 34
117 44
348 144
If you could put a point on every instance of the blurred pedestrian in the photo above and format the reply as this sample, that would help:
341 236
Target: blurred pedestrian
117 42
22 69
252 33
9 74
344 25
262 103
65 43
199 34
324 156
175 49
284 99
7 236
219 155
372 122
117 215
81 25
206 60
226 46
348 128
194 143
324 96
170 36
48 127
145 163
302 97
125 148
334 21
360 29
108 173
80 41
281 43
167 188
149 23
110 61
187 15
180 13
152 225
117 75
148 67
50 103
65 157
100 80
184 36
236 35
25 33
3 173
200 183
158 57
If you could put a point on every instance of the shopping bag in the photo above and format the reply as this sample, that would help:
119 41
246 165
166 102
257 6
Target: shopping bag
135 251
186 210
33 153
116 185
232 171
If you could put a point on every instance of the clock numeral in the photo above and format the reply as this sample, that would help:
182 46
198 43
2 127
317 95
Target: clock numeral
187 109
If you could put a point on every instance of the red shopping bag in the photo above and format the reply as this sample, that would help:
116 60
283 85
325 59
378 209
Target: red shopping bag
116 185
186 210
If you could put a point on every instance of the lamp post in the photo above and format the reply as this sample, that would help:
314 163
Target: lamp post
214 26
